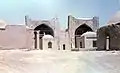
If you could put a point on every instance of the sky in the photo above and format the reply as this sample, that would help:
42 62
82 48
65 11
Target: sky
13 11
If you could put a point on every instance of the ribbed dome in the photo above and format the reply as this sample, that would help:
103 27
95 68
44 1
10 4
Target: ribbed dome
89 34
2 24
115 19
47 37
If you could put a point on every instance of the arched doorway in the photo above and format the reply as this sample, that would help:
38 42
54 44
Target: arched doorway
78 32
42 29
63 46
49 44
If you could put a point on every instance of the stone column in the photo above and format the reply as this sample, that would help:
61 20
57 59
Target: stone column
107 43
38 40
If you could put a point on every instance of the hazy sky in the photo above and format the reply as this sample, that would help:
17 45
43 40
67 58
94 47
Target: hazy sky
13 11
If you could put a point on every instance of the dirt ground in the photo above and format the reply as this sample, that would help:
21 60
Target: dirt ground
39 61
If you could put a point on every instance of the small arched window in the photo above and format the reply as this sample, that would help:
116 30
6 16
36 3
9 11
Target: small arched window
49 44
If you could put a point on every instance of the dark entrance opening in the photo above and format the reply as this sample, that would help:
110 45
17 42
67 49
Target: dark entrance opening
79 31
43 29
80 44
49 44
94 44
63 46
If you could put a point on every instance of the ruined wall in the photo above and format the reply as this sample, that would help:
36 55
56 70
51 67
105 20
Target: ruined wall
113 31
16 36
64 40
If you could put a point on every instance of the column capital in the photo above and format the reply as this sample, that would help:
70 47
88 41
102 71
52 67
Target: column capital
37 31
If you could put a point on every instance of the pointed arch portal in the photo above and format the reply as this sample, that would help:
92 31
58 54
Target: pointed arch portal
78 32
43 28
39 32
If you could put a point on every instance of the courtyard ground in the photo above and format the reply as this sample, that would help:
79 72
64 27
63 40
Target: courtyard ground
39 61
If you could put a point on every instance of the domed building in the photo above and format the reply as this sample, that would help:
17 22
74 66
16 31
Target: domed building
48 42
88 41
47 34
